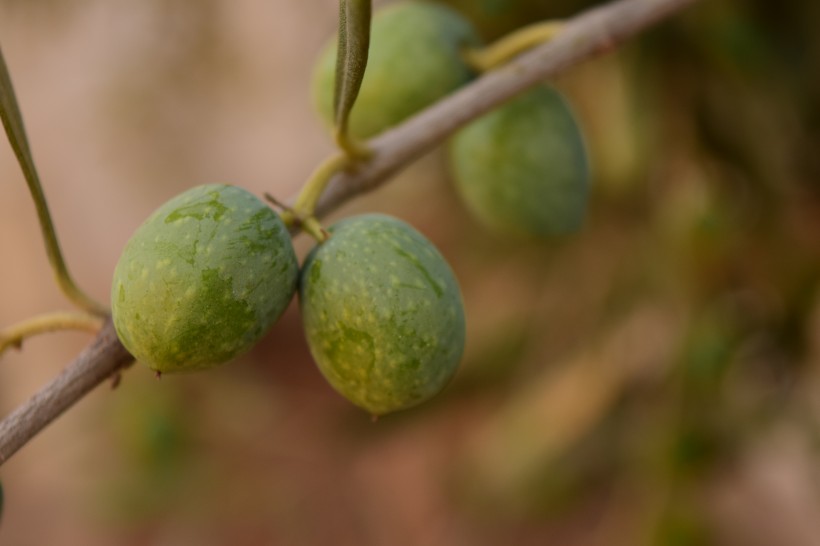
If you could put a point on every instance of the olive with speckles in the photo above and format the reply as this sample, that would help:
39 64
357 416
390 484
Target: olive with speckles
202 279
382 313
415 58
522 169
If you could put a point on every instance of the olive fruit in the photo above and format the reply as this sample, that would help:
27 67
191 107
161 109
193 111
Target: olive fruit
382 313
414 60
522 169
202 279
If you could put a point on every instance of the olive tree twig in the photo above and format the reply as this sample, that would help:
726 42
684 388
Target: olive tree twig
586 35
593 32
102 359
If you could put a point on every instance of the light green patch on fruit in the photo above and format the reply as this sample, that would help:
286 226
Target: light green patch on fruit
202 279
414 60
522 169
382 313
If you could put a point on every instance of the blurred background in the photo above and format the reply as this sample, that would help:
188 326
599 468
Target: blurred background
650 380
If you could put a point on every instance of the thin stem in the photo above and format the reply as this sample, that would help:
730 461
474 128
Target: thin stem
105 357
286 212
50 322
297 223
312 227
302 213
355 149
512 45
316 184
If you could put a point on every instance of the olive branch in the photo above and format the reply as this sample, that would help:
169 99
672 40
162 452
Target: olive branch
591 33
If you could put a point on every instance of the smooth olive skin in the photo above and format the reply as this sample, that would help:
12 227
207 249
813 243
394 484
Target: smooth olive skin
414 60
522 169
382 313
202 279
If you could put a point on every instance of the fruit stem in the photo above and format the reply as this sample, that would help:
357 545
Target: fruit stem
15 130
316 184
355 149
313 228
50 322
287 213
301 214
501 51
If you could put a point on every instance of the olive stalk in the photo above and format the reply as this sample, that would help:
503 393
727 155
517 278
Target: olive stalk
16 132
50 322
302 213
355 149
484 59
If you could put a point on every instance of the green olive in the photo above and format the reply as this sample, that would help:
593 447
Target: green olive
522 169
202 279
414 60
382 313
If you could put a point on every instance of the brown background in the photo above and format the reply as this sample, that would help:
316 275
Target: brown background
651 380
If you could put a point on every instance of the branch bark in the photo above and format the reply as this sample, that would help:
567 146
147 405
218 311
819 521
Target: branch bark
103 358
591 33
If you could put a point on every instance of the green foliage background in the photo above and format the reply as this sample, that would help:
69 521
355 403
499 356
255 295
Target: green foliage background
652 380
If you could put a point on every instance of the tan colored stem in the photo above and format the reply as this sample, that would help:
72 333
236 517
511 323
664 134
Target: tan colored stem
102 359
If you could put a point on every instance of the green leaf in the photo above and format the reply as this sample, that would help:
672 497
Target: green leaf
354 42
13 123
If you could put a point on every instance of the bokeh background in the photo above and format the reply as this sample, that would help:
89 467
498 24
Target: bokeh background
650 380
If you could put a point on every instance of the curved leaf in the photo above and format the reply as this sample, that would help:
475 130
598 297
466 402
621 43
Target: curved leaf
13 122
354 42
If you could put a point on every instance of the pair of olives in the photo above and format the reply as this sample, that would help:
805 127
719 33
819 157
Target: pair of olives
212 269
522 169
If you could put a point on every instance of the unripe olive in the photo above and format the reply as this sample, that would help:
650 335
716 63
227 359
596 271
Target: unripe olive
414 60
522 169
202 279
382 313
